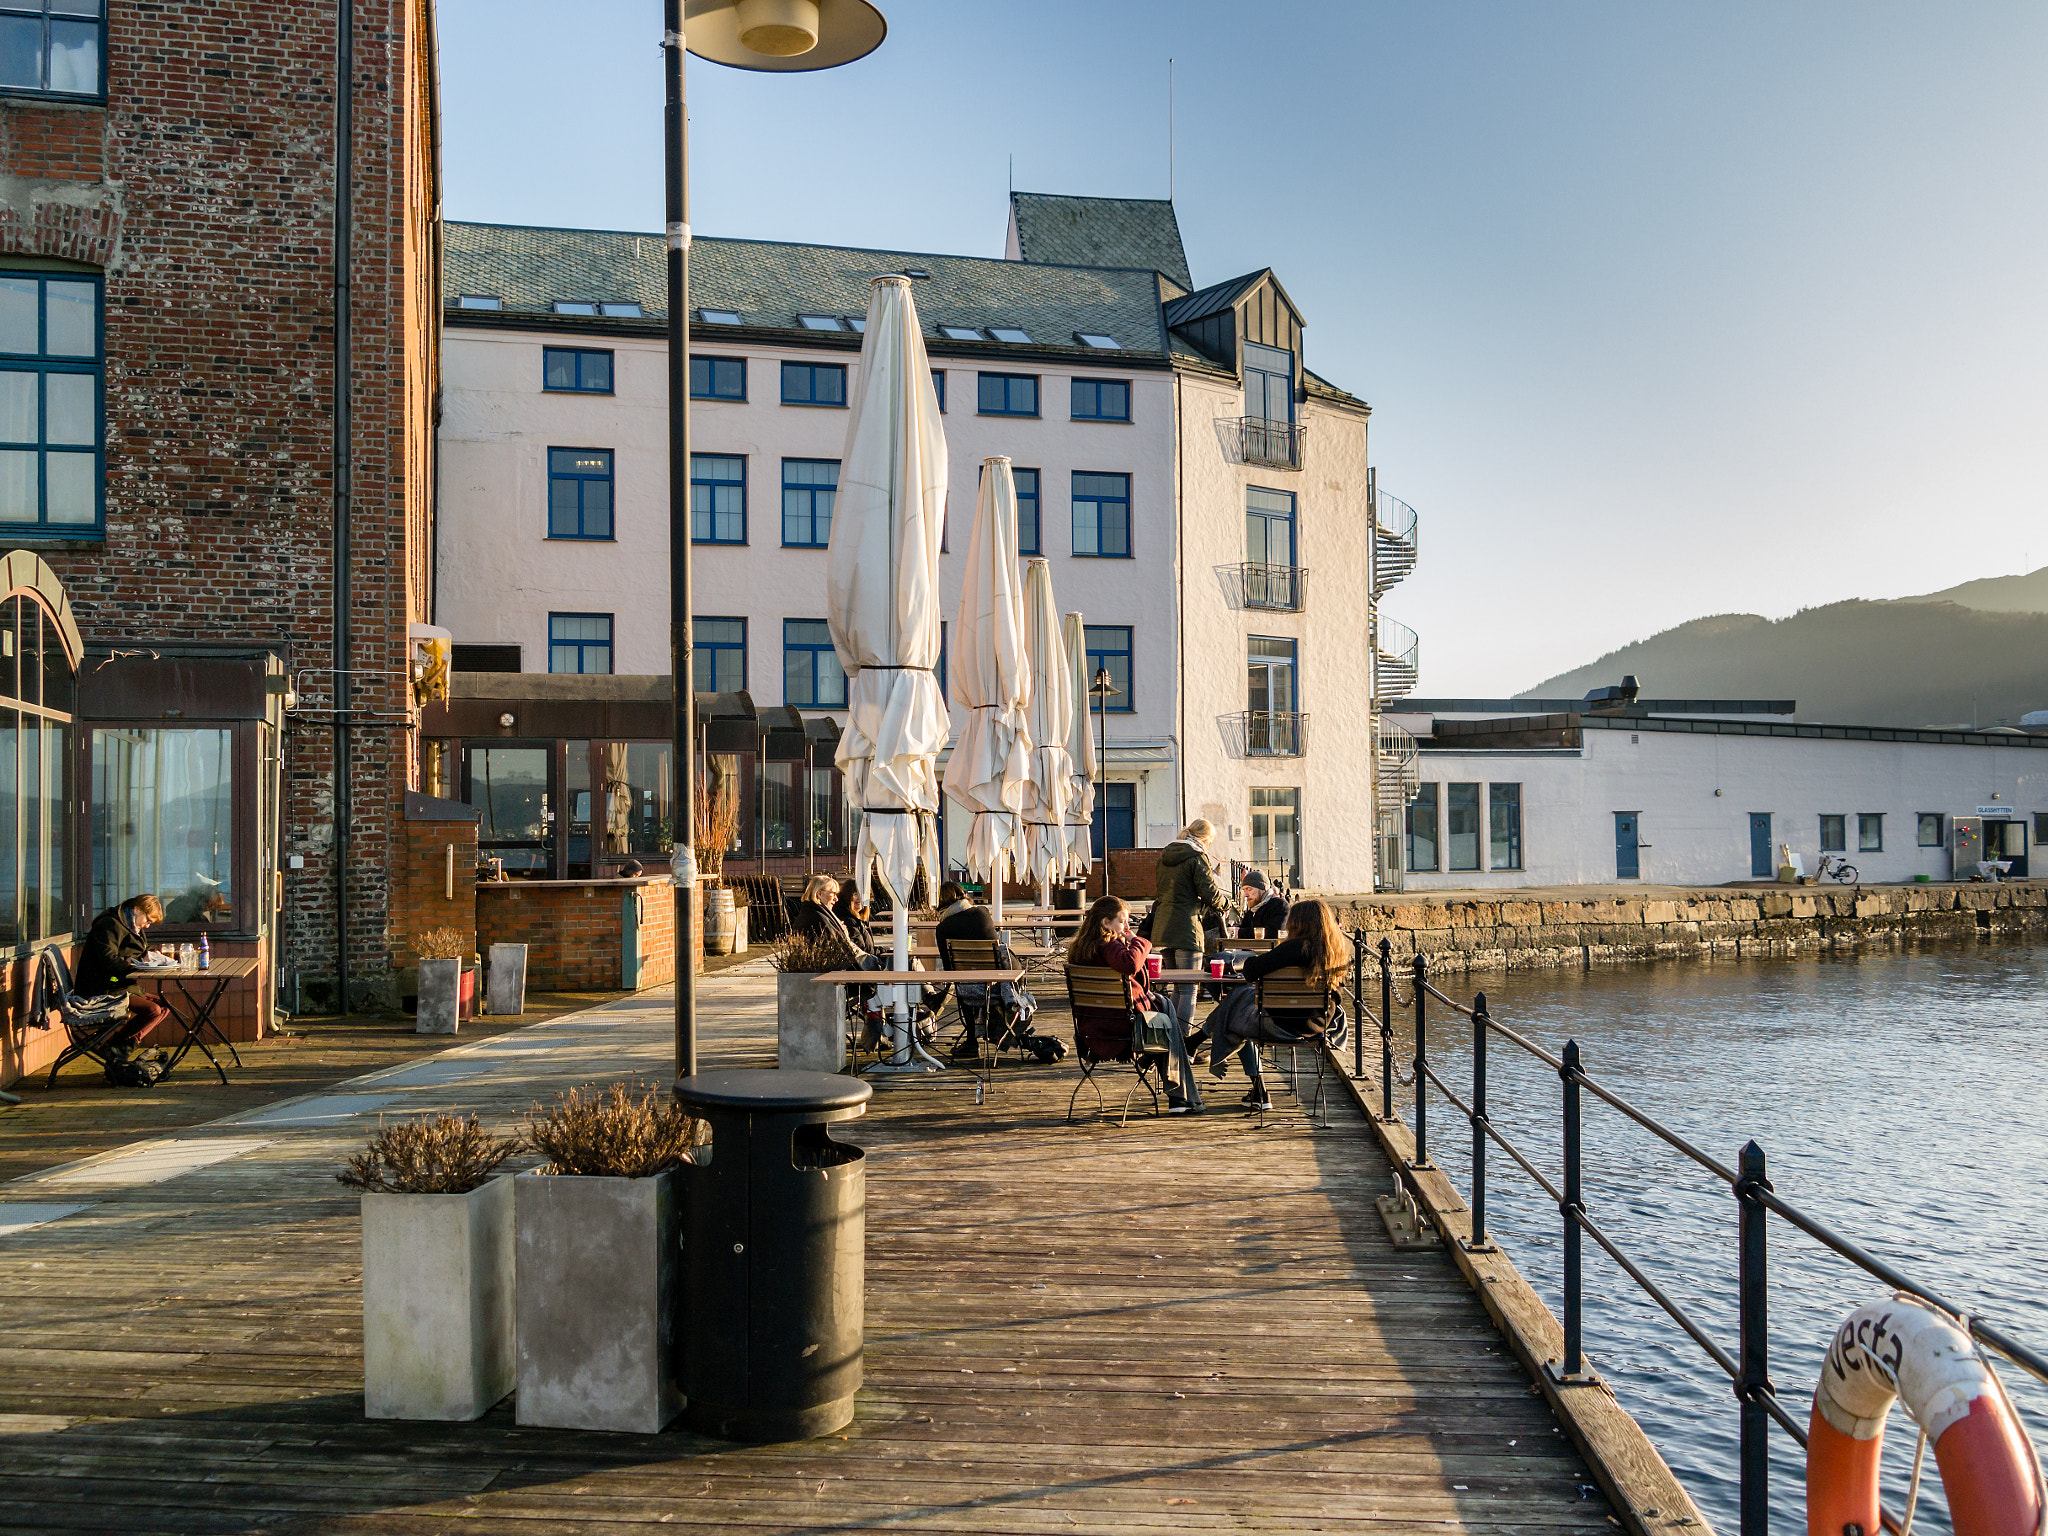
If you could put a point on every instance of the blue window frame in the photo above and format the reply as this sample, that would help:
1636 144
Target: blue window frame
1268 526
1006 394
718 655
575 370
718 498
1422 830
809 487
942 660
814 384
579 642
1102 400
1102 515
1027 510
52 405
53 47
579 493
1109 645
810 665
718 378
939 387
1116 814
1268 383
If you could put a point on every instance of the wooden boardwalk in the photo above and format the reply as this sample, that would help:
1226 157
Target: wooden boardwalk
1189 1324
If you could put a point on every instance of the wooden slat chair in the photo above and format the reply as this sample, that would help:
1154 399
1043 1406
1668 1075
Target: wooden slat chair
1289 1001
1104 991
91 1022
979 955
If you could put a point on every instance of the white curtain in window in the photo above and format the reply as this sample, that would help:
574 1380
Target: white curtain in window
164 819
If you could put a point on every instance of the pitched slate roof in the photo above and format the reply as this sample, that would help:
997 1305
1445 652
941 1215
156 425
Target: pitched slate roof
769 283
1213 300
1100 232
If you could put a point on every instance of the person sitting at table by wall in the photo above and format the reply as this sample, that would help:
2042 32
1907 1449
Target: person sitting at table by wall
1265 909
1107 940
108 963
981 1007
1317 945
816 918
853 914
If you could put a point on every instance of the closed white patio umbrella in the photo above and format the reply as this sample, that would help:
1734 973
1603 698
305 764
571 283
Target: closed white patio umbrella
882 598
1080 753
1052 723
990 770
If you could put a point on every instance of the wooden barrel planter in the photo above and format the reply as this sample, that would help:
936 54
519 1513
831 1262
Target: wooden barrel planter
719 924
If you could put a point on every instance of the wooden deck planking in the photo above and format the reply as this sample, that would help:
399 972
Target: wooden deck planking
1187 1324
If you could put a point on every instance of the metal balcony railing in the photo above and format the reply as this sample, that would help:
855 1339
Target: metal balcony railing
1272 733
1394 545
1276 588
1395 649
1265 441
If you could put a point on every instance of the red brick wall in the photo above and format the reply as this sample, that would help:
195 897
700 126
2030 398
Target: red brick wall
419 894
574 930
1133 874
205 189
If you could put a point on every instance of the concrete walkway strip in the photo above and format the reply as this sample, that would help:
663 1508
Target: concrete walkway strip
21 1217
151 1162
321 1109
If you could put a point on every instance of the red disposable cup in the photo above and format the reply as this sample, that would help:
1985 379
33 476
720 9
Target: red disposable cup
1216 969
1152 966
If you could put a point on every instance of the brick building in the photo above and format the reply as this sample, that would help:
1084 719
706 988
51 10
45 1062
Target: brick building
167 387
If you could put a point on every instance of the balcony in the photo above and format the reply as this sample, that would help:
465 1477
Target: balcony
1274 588
1276 444
1269 733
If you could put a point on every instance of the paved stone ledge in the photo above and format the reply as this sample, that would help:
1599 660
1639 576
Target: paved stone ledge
1487 931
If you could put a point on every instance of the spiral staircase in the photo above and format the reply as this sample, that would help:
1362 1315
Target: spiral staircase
1395 668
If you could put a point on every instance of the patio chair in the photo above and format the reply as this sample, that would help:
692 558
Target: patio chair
93 1023
1105 994
981 955
1313 1015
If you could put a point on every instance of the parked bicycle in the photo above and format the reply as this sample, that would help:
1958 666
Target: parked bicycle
1832 868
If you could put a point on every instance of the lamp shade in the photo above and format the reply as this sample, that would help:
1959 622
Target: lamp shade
774 35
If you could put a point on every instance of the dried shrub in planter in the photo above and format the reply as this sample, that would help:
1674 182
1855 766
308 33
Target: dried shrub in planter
441 944
806 953
621 1133
447 1155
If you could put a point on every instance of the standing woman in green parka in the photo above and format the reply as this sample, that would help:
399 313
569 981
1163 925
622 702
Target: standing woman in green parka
1187 891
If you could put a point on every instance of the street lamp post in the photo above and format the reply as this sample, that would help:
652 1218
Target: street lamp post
1102 688
774 36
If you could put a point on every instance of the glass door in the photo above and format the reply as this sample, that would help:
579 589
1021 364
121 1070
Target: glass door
512 788
1270 697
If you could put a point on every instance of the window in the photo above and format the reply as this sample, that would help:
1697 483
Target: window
479 301
575 370
1268 527
809 487
1027 510
1109 646
579 642
1461 825
942 658
718 655
939 388
819 322
1268 383
1102 515
1870 832
718 316
857 323
810 665
579 493
1930 829
50 402
1102 400
1010 334
1007 394
38 688
2040 827
718 378
1422 829
163 820
1504 832
1274 723
1833 837
52 45
623 310
961 333
1117 815
718 499
814 383
1099 341
575 307
483 658
1276 833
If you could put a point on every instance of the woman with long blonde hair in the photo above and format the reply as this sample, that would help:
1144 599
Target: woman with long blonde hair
1318 947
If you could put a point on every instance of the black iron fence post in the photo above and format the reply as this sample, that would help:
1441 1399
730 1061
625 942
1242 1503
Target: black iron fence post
1479 1122
1357 1004
1386 1029
1421 1060
1755 1380
1569 1208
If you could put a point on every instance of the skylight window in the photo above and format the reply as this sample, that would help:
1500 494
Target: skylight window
624 310
574 307
479 301
1097 339
818 322
857 323
718 317
915 272
961 333
1009 333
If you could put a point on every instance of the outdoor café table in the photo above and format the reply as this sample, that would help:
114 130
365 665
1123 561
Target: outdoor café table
195 1018
914 978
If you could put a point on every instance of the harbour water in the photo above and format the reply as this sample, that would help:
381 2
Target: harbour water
1899 1099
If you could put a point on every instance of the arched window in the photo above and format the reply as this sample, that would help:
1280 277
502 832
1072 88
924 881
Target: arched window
38 699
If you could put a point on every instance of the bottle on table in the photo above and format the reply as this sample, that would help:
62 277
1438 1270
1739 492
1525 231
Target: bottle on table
205 953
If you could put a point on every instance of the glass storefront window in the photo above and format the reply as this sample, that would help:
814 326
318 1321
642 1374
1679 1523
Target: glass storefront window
779 805
162 819
638 814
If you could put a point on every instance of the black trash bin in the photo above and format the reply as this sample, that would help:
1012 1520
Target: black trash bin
1066 898
774 1255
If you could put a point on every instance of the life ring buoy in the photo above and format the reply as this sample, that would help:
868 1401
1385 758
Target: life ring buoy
1900 1348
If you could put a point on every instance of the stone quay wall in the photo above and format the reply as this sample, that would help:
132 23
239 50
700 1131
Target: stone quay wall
1499 932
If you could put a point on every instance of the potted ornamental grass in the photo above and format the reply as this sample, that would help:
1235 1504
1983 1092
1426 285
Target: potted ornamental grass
437 1268
598 1235
446 984
810 1021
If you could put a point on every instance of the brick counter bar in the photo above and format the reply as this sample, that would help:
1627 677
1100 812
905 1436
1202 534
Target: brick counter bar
575 930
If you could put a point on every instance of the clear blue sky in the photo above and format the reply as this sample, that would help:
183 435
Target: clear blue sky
1663 311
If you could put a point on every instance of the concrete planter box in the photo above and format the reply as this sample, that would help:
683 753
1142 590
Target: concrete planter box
437 1303
810 1026
442 998
599 1263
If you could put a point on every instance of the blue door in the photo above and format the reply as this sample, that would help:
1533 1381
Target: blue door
1626 866
1116 805
1760 866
